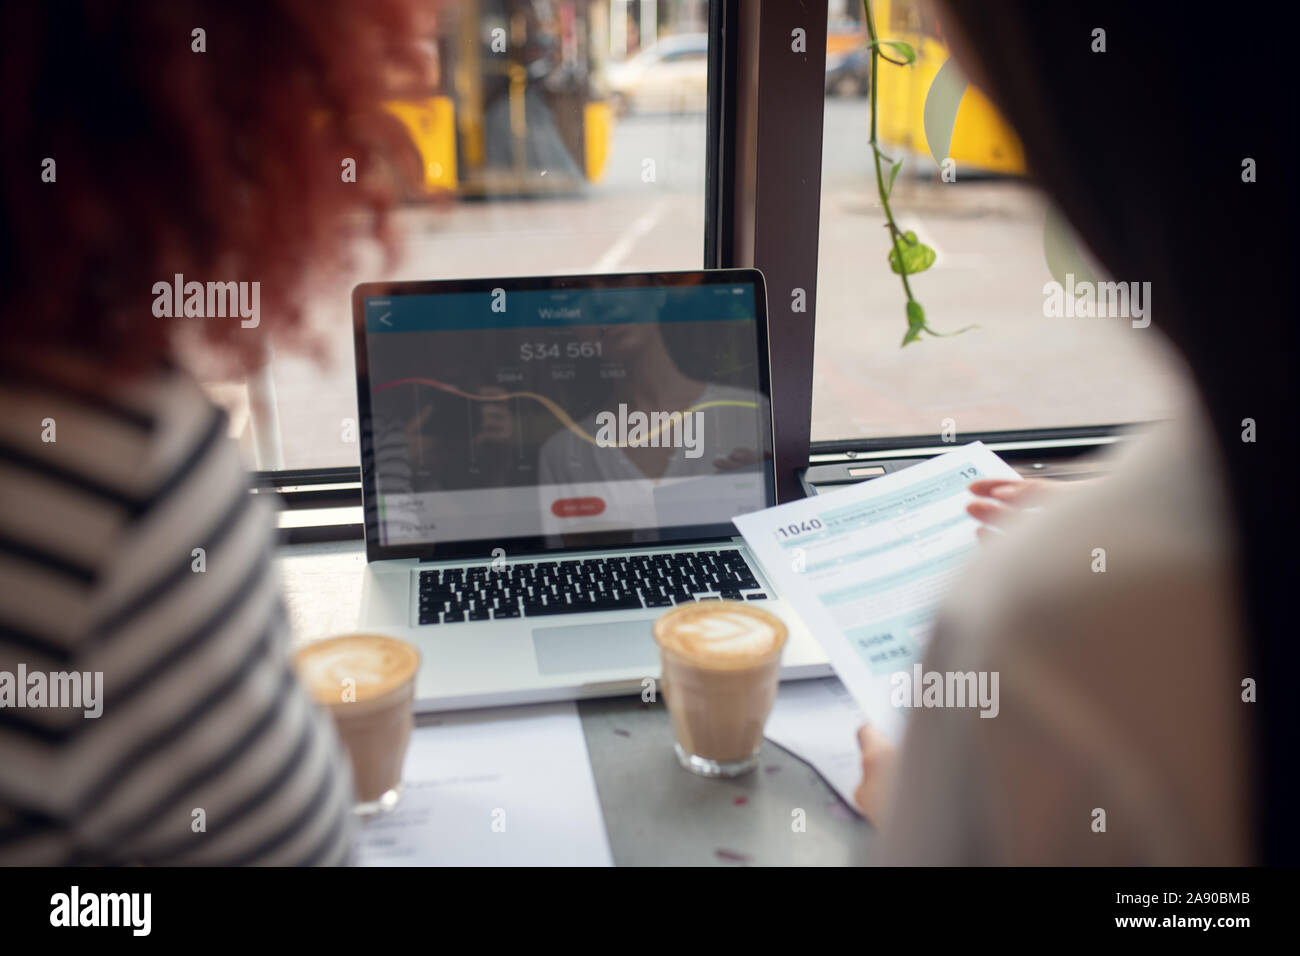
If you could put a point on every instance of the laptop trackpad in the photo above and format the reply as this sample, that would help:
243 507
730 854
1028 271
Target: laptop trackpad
595 647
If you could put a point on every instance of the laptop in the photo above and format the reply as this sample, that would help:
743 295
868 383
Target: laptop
548 464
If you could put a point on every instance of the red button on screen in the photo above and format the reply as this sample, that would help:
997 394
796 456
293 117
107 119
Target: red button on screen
577 507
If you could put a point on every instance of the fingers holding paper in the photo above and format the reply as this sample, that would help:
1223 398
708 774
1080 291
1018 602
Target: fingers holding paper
878 759
999 501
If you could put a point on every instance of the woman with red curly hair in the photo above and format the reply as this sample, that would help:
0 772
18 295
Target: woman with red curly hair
143 143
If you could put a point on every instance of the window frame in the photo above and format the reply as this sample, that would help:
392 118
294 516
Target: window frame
762 210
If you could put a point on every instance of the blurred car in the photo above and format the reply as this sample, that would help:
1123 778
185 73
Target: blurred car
670 76
848 73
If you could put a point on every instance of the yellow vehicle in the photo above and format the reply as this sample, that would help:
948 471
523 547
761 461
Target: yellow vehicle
429 164
514 103
981 139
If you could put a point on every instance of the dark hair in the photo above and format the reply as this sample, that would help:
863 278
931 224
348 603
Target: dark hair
221 165
1144 148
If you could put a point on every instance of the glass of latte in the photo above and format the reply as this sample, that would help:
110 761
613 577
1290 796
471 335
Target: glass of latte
367 682
721 662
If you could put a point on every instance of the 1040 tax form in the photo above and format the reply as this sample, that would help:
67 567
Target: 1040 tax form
866 567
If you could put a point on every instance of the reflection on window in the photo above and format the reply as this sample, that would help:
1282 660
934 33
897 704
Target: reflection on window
545 137
1019 368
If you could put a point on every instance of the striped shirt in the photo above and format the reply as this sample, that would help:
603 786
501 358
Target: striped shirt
207 750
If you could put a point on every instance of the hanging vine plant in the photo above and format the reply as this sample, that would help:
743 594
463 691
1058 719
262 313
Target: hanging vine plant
908 255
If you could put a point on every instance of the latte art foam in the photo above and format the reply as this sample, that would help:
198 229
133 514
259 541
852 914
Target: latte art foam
722 634
373 664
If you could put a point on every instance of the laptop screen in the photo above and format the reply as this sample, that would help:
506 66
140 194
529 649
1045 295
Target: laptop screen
563 412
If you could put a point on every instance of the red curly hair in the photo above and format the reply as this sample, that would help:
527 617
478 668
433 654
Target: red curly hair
222 165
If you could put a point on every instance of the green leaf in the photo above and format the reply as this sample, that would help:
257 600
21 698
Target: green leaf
893 174
904 51
917 256
915 321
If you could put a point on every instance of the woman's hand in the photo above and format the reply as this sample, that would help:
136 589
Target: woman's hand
496 424
877 765
999 501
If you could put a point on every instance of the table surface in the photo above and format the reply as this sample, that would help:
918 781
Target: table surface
655 812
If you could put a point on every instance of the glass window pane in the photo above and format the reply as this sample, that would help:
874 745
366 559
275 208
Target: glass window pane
1019 368
547 137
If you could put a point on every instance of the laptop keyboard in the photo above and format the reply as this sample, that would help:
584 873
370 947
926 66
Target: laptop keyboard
541 588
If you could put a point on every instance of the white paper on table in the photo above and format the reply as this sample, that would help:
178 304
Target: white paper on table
818 721
503 787
867 566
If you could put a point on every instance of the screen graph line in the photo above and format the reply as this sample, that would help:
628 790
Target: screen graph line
561 415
